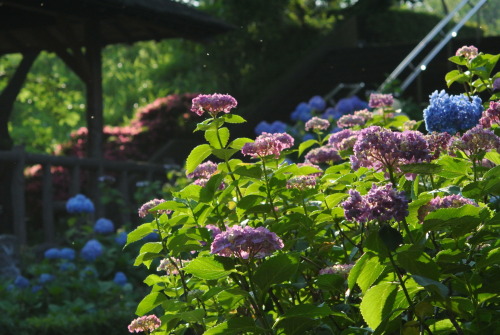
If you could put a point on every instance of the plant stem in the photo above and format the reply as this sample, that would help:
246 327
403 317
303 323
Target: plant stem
268 190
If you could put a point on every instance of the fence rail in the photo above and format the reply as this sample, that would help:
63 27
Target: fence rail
14 163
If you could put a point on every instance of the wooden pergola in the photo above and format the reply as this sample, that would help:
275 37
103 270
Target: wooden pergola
77 31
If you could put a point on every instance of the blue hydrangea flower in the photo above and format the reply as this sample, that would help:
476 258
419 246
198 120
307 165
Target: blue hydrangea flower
271 128
45 278
308 136
317 103
302 112
121 238
346 106
21 282
79 204
67 253
120 278
88 272
52 253
152 237
91 250
67 266
36 288
104 226
452 113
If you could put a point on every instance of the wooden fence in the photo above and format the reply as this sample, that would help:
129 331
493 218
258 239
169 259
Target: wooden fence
17 160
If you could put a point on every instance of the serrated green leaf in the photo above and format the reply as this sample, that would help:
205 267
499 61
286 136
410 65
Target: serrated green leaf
306 145
377 303
432 286
207 268
217 141
365 272
237 325
149 302
455 76
276 270
416 262
459 221
197 156
249 170
224 154
233 118
139 232
491 258
240 142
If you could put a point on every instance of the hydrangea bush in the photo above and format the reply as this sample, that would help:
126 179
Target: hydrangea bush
374 229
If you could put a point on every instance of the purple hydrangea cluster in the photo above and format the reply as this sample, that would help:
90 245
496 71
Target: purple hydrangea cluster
268 145
146 324
317 123
496 84
475 141
146 207
343 140
437 143
271 128
350 120
491 115
79 204
213 104
345 106
337 269
246 242
380 148
301 182
380 204
449 201
91 250
378 100
204 170
323 155
452 113
104 226
469 52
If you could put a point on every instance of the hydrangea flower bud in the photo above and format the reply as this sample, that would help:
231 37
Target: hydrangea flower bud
301 182
337 269
350 120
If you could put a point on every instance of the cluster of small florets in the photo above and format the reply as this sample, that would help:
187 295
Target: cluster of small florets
64 253
491 115
204 170
79 204
323 155
337 269
271 128
91 250
145 208
343 140
469 52
437 143
246 242
303 111
317 123
146 323
349 120
104 226
213 104
301 182
380 204
475 141
169 267
449 201
452 113
381 148
378 100
268 145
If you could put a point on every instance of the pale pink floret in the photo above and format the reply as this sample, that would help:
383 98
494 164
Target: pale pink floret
146 323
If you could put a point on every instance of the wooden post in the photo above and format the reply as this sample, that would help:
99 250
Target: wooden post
18 198
74 187
48 204
94 106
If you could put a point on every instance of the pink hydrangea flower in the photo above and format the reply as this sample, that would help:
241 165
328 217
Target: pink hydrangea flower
146 323
301 182
246 242
144 210
469 52
378 100
204 170
213 104
491 115
475 141
317 123
350 120
343 140
268 145
169 267
325 154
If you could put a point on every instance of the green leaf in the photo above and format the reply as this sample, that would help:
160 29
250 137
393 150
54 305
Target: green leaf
455 76
276 270
459 60
459 221
211 137
207 193
453 167
489 259
233 118
305 145
224 154
149 302
197 156
139 233
365 272
307 310
333 200
432 286
249 170
207 268
416 262
421 168
239 142
391 237
237 325
295 325
493 156
377 303
148 252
